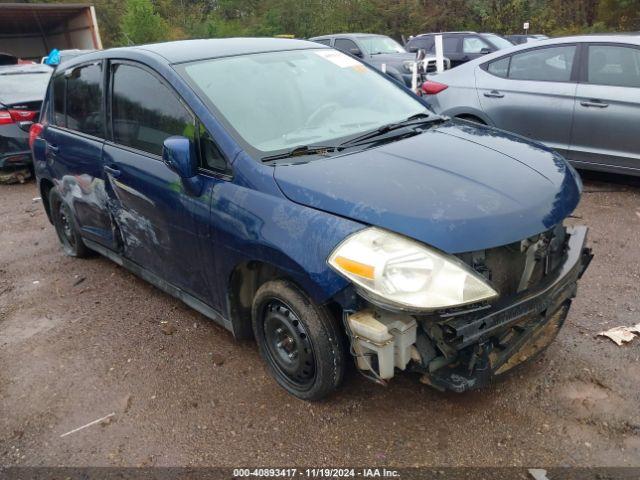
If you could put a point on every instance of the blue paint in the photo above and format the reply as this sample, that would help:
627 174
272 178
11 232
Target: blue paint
456 187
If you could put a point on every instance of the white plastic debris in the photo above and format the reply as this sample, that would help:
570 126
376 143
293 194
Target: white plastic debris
622 334
106 417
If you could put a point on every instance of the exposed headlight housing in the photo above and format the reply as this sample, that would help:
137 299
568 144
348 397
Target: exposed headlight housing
406 273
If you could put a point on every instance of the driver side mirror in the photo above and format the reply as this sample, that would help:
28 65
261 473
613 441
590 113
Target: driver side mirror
485 50
356 52
179 155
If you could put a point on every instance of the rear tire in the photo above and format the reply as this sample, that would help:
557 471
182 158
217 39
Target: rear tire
66 227
299 340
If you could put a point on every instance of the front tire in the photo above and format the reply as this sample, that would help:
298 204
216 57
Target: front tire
66 227
299 340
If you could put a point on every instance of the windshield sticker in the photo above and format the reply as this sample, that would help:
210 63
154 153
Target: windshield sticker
338 58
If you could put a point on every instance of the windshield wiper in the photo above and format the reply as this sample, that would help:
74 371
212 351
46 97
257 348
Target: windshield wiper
417 119
300 151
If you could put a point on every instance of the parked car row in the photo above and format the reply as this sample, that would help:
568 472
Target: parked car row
319 207
578 95
22 88
381 52
460 47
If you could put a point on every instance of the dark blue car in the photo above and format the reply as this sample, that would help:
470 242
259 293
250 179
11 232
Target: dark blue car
295 195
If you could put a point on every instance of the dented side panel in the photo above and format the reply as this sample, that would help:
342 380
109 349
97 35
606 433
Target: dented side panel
77 173
161 226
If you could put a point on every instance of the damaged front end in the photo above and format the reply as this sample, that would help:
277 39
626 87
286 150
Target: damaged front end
465 347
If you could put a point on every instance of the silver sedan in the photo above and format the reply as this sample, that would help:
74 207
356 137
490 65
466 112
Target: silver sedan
578 95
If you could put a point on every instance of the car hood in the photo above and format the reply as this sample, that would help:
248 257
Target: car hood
456 187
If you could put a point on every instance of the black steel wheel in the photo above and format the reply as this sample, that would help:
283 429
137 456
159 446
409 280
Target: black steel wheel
288 344
298 340
66 227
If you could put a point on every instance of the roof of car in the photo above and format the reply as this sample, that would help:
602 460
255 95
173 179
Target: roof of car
356 35
444 33
189 50
595 37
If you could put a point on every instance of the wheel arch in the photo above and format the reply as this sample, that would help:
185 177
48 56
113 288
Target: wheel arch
248 276
45 187
467 112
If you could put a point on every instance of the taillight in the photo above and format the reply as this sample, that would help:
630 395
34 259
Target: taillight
23 115
431 88
5 117
14 116
34 132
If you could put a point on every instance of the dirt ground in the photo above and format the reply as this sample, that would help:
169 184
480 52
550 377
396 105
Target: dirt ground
81 339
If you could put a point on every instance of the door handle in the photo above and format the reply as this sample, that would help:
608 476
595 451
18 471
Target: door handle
114 172
494 94
594 103
52 149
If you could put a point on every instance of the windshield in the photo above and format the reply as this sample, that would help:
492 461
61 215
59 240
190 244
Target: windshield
18 87
276 101
377 45
498 41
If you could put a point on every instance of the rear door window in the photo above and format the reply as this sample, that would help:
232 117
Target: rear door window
450 44
145 112
553 64
84 100
614 65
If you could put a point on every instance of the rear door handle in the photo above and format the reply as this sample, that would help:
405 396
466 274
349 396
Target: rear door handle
494 94
114 172
594 103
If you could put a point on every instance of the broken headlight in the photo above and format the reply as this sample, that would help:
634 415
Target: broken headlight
406 273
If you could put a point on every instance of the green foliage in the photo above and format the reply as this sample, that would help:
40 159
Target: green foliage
141 24
142 21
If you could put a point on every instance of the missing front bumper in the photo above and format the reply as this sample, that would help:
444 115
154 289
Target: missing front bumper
515 331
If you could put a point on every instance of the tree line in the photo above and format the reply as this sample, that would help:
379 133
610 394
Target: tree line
131 22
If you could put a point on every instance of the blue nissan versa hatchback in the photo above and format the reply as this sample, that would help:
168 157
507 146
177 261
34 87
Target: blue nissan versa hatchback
293 194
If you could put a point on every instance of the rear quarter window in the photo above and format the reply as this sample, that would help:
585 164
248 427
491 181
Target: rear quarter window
59 91
499 68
